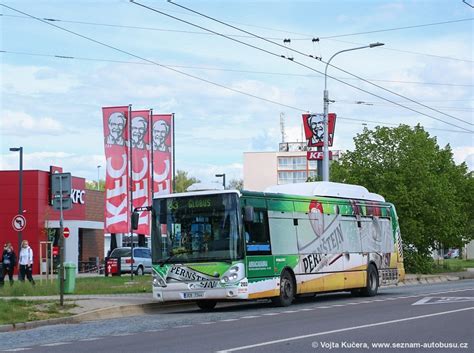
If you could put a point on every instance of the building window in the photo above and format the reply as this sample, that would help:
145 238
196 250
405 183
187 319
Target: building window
290 177
292 163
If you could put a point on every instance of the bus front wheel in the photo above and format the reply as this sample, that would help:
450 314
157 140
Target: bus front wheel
372 286
287 290
206 305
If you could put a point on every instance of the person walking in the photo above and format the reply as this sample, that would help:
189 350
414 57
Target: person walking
8 263
26 262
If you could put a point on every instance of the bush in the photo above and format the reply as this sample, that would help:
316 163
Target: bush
415 262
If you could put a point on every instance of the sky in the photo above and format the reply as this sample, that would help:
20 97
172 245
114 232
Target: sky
54 83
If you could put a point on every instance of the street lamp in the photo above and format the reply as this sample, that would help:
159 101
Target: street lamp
98 176
326 106
223 178
20 191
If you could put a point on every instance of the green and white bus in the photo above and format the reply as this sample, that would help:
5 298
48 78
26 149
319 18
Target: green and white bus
217 245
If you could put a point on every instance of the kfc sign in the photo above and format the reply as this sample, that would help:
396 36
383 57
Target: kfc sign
316 155
314 129
162 136
117 206
77 196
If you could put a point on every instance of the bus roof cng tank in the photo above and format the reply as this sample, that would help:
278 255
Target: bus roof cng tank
326 189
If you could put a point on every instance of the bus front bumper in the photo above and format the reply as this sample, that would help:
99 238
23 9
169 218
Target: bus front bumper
190 291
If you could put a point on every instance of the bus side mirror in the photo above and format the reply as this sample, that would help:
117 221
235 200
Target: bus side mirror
135 217
248 213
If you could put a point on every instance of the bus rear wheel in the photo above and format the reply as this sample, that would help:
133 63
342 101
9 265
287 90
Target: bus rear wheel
287 290
372 286
206 305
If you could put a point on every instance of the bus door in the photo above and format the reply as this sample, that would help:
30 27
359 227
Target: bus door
354 260
259 262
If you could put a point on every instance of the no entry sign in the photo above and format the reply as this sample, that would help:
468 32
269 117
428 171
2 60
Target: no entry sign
66 232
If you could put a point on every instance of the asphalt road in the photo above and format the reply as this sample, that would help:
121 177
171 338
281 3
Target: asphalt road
421 318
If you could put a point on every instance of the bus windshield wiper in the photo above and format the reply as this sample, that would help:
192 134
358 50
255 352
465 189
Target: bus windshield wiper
165 261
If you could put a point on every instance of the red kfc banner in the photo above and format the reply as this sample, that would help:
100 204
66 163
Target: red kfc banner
117 206
140 167
314 129
162 150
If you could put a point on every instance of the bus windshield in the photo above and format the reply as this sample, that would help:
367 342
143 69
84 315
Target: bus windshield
197 229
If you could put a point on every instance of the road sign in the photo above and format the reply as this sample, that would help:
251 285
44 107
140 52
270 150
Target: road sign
112 267
61 186
19 223
66 232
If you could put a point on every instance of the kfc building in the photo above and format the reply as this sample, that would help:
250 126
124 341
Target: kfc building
85 244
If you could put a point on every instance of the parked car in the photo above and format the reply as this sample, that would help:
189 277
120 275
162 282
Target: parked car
141 259
452 254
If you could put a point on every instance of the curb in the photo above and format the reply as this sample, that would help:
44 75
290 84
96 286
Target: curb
430 279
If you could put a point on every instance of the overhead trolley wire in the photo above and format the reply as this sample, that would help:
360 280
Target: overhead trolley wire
294 61
301 53
243 36
63 56
156 63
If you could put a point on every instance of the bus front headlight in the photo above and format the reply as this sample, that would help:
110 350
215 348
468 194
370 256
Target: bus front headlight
158 281
233 274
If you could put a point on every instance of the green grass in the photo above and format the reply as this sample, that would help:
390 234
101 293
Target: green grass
88 285
17 310
452 265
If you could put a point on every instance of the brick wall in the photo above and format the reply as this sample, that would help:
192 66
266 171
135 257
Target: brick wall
95 205
92 244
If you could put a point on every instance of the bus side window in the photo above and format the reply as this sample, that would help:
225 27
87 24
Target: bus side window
257 236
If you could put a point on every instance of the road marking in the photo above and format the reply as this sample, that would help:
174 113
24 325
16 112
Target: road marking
207 323
122 334
16 349
55 344
91 339
183 326
443 300
342 330
271 314
156 330
228 320
289 311
250 317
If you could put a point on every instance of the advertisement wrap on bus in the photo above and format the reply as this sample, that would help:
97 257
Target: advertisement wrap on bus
212 246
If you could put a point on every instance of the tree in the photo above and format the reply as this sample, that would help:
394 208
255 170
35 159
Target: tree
433 196
236 184
182 181
92 185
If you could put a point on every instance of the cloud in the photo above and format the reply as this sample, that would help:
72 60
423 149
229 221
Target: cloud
23 124
35 80
464 154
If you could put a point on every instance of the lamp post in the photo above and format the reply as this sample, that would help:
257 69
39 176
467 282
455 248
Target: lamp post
98 176
223 178
20 191
326 106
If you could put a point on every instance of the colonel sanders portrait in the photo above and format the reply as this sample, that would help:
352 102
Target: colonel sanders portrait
139 130
161 130
116 123
316 124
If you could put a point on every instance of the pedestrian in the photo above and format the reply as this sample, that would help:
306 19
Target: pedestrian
26 262
8 263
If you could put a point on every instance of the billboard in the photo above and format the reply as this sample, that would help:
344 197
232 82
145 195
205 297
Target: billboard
314 129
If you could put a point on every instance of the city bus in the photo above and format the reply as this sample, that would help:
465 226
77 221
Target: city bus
218 245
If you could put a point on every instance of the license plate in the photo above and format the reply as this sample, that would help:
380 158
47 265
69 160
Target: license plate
193 295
